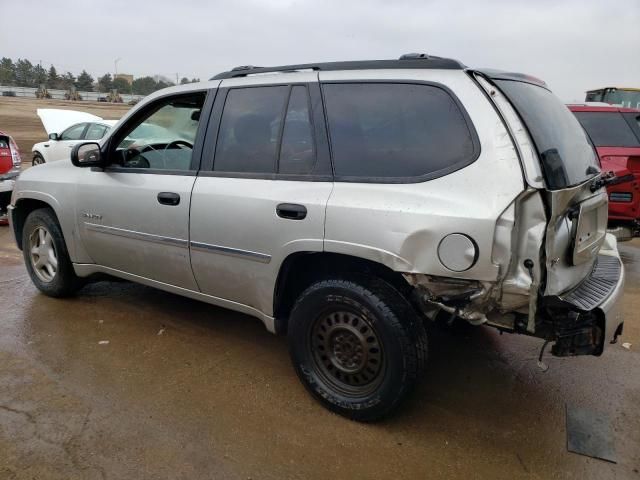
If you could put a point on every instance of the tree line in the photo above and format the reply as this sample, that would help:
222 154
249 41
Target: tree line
23 73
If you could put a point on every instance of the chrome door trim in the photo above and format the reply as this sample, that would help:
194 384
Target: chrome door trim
147 237
234 252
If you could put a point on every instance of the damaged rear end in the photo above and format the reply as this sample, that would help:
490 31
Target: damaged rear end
561 276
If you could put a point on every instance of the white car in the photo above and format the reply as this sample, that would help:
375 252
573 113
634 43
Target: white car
66 128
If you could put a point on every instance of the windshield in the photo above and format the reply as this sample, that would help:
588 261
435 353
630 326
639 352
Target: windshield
566 154
608 129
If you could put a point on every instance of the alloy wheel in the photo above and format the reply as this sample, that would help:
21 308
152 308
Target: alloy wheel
42 253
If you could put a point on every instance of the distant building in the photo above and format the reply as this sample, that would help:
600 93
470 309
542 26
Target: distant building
126 77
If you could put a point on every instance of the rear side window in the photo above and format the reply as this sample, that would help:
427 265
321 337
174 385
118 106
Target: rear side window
393 130
250 130
266 130
608 129
297 152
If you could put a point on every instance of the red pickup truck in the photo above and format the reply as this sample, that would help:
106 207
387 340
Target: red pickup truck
9 170
615 132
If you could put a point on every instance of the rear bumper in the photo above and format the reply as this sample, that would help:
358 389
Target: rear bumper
587 318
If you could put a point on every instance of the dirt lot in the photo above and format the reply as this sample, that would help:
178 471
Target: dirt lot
18 118
184 390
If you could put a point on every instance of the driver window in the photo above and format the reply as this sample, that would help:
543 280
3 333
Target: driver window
163 138
73 133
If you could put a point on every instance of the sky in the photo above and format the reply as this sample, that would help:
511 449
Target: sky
574 45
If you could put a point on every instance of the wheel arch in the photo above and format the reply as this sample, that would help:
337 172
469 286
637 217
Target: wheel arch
24 206
301 269
38 152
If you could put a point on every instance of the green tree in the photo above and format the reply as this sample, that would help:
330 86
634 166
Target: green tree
144 85
195 80
121 85
53 79
105 83
7 71
84 82
184 81
68 80
24 73
162 84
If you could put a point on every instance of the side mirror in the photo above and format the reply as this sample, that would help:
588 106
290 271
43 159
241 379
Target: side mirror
54 136
87 155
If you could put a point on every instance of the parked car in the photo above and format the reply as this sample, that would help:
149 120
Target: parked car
66 128
345 204
9 170
615 132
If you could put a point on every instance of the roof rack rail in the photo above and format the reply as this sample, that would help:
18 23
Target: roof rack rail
409 61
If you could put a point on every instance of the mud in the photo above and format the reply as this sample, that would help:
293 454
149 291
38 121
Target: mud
183 390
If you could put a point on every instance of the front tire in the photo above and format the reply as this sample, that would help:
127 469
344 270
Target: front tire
45 255
37 159
357 346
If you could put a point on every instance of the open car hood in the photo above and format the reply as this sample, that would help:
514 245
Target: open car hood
56 121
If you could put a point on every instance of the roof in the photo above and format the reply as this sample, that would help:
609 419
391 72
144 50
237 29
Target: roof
581 107
408 61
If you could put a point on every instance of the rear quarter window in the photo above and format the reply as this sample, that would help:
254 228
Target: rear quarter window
396 131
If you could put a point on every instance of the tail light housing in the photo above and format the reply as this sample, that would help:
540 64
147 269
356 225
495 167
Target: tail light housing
15 153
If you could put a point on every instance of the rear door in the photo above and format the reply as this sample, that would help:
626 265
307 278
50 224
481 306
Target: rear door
264 190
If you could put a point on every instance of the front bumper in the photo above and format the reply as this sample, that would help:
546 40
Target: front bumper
7 182
587 318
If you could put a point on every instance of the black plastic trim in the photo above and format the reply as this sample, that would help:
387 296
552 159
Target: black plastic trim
267 176
421 178
151 171
594 289
407 63
513 76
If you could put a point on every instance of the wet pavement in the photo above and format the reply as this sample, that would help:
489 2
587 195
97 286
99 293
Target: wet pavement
184 390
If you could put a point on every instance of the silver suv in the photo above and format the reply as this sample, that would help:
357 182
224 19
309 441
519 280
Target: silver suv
345 204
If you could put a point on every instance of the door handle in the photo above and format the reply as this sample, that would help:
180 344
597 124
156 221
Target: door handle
291 211
168 198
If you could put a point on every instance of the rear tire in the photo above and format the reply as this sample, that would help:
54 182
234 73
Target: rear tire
46 256
37 159
357 346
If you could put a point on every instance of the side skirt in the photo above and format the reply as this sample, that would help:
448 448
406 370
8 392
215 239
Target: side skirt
85 270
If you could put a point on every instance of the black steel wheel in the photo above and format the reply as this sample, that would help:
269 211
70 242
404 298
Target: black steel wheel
347 351
357 345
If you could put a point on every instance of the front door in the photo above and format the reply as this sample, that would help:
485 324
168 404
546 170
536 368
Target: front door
61 149
133 217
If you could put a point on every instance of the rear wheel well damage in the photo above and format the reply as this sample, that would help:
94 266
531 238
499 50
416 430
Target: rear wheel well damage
22 210
300 270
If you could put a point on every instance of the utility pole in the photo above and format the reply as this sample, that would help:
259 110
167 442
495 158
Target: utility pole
115 64
176 78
